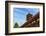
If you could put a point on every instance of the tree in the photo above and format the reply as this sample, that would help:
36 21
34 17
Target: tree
16 25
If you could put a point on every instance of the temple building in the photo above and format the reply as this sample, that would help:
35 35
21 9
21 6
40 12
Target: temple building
32 21
28 16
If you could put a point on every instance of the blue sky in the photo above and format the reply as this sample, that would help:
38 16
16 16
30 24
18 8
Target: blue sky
19 14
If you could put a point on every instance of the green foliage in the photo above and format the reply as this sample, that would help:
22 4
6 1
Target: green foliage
16 25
